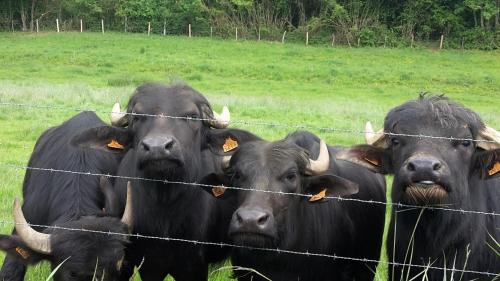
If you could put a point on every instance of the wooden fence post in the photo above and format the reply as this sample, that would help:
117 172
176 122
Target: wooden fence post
258 38
283 38
125 24
81 25
307 38
412 39
236 34
165 28
149 27
333 39
441 42
211 32
102 25
57 24
189 30
463 43
12 25
37 30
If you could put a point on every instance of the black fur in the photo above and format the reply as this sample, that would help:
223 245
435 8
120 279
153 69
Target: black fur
173 210
460 173
328 227
443 238
67 200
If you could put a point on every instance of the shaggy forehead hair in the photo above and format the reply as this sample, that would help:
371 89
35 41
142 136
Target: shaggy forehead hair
179 90
434 109
282 151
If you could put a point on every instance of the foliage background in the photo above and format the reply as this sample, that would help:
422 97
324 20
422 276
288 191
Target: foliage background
392 23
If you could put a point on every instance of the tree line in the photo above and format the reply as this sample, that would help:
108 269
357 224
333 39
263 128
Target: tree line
464 23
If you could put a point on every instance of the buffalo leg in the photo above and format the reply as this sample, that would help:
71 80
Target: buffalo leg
13 269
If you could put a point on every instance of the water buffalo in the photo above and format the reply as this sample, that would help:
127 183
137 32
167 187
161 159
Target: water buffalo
455 173
66 199
266 218
173 135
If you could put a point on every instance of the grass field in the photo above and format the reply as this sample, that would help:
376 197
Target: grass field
291 85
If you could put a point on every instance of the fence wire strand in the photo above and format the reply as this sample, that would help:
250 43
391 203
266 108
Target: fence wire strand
247 122
276 250
196 184
192 184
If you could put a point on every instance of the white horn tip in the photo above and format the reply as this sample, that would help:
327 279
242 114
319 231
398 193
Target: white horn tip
225 115
116 108
369 127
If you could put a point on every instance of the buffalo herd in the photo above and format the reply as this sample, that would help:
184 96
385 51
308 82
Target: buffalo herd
168 167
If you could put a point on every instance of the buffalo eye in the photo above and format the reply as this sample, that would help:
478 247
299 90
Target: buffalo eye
466 143
136 118
291 177
395 142
192 116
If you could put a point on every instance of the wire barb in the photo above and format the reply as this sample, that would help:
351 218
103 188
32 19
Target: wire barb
195 184
243 122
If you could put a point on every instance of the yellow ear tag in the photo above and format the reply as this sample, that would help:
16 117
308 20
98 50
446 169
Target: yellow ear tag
229 144
318 196
374 162
25 254
218 190
115 144
495 169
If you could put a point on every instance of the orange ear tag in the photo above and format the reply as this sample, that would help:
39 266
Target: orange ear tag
115 144
318 196
22 252
495 169
217 191
374 162
229 144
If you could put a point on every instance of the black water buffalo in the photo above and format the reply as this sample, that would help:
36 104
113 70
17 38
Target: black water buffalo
265 218
458 174
66 200
178 144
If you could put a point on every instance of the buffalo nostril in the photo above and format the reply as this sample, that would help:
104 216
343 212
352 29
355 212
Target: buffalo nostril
239 218
410 166
263 219
169 144
145 147
436 166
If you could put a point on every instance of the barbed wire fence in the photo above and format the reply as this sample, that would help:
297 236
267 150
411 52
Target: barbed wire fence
200 185
275 250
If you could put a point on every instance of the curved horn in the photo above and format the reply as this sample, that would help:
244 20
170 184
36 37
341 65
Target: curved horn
225 161
37 241
128 217
117 117
489 139
321 164
376 139
221 121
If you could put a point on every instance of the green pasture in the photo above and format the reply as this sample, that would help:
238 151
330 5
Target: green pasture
272 89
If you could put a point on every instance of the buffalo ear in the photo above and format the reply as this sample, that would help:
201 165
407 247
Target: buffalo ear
107 138
487 163
214 184
14 246
373 158
227 141
329 185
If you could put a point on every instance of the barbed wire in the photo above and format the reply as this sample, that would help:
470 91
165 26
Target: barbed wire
248 122
277 250
191 184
